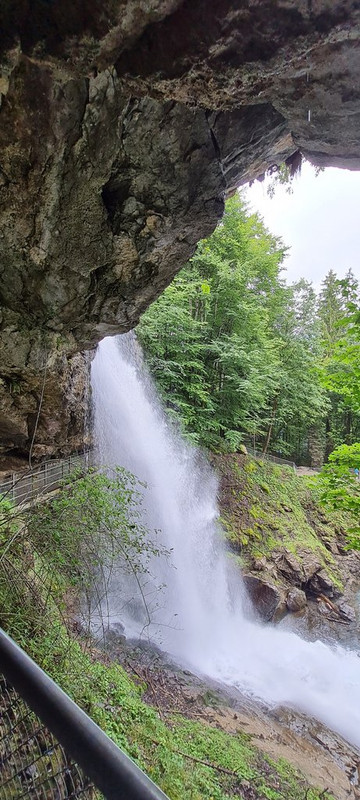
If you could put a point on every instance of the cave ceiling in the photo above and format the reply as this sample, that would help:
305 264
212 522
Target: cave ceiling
123 127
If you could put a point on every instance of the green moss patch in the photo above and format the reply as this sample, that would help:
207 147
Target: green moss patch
267 509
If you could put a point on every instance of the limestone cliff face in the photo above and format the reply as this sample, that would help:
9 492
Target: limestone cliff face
122 127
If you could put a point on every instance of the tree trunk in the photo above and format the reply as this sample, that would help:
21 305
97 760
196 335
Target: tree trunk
348 427
271 425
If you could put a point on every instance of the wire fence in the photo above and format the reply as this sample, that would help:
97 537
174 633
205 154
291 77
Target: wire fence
23 488
269 457
50 749
33 764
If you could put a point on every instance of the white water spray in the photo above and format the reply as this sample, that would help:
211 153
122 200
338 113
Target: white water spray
203 619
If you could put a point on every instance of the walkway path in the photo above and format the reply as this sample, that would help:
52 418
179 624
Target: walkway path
24 487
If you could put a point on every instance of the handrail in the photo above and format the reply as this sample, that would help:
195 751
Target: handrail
24 487
111 771
260 456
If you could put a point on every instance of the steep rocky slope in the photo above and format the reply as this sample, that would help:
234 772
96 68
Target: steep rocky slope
294 555
122 127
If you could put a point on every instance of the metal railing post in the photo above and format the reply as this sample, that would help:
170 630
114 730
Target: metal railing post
112 772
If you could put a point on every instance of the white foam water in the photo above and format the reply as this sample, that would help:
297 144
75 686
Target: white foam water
202 616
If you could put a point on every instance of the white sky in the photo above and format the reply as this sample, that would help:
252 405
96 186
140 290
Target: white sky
320 222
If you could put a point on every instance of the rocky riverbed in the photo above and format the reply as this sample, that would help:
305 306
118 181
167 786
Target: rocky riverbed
324 758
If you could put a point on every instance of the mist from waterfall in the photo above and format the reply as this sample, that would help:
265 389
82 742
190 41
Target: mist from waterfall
199 610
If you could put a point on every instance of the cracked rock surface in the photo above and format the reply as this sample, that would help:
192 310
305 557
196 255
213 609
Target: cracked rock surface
123 125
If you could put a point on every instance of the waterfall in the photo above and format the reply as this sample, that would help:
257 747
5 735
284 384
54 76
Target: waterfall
203 618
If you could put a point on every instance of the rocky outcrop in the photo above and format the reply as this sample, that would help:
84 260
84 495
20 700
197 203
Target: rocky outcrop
283 584
265 597
46 410
294 557
123 125
296 599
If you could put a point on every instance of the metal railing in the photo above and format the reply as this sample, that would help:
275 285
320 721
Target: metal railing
269 457
25 487
49 748
32 762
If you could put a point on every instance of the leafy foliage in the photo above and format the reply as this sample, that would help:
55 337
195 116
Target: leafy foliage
339 486
93 530
239 355
73 543
338 311
233 350
96 513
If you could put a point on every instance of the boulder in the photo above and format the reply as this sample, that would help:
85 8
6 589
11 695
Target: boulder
259 564
266 598
289 567
280 611
296 600
321 583
346 612
311 564
299 569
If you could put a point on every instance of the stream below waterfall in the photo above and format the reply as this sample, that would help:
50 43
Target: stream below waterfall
200 613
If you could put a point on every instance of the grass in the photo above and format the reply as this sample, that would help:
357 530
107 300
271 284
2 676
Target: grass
172 754
267 509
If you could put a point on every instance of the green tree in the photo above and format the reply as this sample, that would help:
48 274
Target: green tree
237 354
339 486
208 340
331 309
173 333
299 401
341 362
73 543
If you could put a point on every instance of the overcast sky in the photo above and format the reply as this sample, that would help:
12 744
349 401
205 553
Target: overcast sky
319 221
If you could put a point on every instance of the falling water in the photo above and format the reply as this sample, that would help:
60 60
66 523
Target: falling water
203 618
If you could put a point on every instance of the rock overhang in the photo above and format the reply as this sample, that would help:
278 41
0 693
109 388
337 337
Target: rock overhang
123 125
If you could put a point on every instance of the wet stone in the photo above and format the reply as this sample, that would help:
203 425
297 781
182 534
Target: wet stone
296 600
266 598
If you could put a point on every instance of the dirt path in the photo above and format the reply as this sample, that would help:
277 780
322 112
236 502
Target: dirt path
306 471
